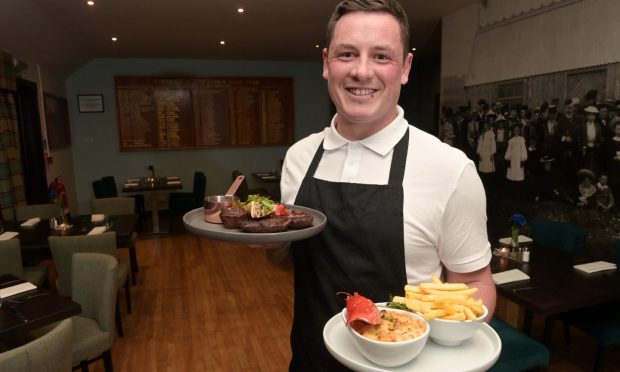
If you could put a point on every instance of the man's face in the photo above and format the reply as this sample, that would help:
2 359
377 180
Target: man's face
364 70
570 109
603 114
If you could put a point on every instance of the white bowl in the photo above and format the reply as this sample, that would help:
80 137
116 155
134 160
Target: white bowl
454 332
389 354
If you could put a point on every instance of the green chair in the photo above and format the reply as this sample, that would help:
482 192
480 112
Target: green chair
602 322
519 351
63 248
115 206
180 203
94 288
50 353
562 236
43 211
11 263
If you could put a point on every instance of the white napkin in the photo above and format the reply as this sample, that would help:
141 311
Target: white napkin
173 182
8 235
19 288
521 239
131 184
97 230
132 180
173 178
509 276
97 217
31 222
596 266
269 177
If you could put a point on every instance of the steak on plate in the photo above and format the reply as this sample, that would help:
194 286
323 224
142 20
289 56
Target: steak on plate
265 225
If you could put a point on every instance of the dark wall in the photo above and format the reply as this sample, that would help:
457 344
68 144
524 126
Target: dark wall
420 96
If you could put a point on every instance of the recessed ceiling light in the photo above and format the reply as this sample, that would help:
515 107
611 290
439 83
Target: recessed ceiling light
317 46
222 42
114 38
413 49
90 2
240 10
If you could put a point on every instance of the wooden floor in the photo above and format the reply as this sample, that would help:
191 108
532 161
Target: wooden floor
202 305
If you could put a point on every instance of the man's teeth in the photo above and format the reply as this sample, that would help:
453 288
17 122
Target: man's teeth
362 92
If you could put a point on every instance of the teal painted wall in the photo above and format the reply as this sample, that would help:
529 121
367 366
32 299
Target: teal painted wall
95 143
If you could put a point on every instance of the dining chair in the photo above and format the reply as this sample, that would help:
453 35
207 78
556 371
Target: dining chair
11 263
114 206
519 351
106 188
43 211
601 322
64 247
243 191
50 352
180 203
99 189
558 235
93 277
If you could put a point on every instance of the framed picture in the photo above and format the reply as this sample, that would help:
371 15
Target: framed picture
90 102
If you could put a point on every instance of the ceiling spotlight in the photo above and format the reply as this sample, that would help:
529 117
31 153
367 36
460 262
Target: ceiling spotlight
114 38
317 46
90 2
222 42
413 49
240 10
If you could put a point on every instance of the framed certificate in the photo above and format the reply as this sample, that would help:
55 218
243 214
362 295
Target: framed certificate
90 102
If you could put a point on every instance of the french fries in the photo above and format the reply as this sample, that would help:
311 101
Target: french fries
451 301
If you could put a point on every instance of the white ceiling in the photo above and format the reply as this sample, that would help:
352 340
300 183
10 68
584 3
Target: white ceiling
62 35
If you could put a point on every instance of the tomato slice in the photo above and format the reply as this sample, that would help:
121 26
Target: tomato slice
281 210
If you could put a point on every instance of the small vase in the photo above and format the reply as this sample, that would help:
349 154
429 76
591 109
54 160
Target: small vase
514 241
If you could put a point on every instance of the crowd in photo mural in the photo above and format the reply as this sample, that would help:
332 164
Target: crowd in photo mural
568 153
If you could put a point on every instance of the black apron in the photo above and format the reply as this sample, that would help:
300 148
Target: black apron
360 250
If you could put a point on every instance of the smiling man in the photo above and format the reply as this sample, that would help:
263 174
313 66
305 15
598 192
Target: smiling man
400 204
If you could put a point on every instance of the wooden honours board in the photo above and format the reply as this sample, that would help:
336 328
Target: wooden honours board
156 113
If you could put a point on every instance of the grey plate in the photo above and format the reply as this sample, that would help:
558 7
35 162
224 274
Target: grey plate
194 222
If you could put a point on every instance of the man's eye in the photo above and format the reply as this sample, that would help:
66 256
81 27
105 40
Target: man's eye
382 57
347 55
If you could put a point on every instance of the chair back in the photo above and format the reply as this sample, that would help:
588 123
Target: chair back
94 288
11 258
110 186
114 206
43 211
562 236
99 189
50 352
616 252
200 186
64 247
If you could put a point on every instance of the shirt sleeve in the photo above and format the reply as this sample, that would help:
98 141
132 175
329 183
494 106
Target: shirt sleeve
463 241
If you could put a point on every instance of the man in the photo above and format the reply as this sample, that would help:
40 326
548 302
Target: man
400 204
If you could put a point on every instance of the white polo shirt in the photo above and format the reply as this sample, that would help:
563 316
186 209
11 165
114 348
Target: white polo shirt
444 206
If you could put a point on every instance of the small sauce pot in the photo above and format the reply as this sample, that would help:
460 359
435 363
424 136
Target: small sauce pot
214 204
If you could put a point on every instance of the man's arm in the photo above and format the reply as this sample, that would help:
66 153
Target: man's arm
480 279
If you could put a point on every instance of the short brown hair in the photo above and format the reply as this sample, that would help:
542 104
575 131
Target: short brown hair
384 6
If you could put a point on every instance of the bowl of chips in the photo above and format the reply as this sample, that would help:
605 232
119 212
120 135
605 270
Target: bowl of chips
454 332
449 308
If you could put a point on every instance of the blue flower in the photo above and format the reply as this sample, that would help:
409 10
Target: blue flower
518 219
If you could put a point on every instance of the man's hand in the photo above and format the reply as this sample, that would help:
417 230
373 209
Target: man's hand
278 254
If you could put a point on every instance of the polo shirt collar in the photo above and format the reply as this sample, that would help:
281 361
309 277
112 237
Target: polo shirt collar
381 142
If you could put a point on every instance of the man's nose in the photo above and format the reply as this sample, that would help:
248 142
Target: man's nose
363 68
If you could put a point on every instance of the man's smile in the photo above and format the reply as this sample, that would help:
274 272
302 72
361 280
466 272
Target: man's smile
361 92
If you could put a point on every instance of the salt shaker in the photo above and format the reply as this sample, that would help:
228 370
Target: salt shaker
526 255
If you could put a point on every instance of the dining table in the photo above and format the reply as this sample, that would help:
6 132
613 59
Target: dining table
29 310
153 186
34 243
554 286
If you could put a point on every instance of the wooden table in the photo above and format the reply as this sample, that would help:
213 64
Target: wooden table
152 187
34 244
27 311
555 287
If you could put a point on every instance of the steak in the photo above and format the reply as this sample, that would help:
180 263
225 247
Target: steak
300 219
265 225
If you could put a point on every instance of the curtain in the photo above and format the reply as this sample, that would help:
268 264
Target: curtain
11 177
